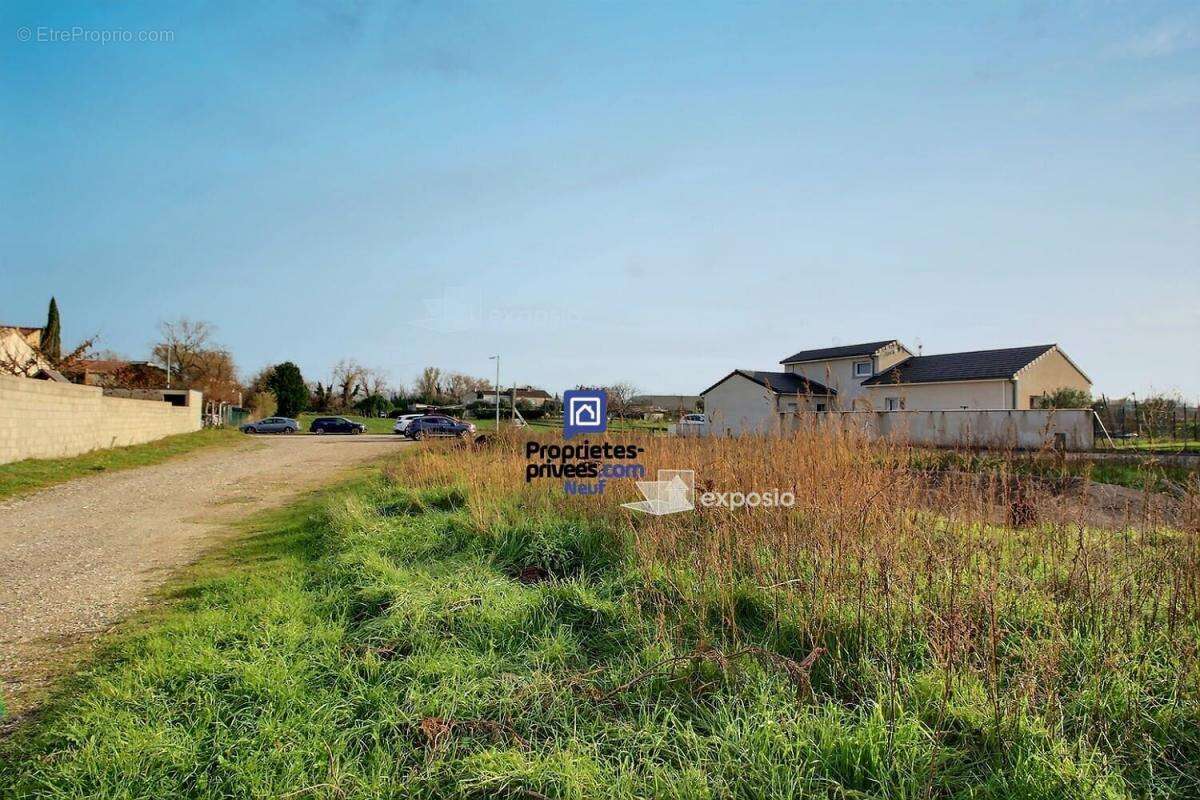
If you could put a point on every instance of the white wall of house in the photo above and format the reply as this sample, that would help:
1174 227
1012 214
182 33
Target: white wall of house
837 374
16 347
990 394
840 374
1049 372
738 405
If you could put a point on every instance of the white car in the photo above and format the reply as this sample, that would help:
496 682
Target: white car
693 419
402 422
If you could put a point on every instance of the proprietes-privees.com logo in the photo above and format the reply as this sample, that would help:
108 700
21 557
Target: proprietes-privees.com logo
585 468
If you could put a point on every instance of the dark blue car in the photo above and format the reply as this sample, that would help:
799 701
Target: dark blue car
336 425
436 425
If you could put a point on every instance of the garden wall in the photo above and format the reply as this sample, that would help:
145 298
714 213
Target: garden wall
46 419
1027 429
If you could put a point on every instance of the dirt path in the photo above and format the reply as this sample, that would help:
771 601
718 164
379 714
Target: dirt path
78 557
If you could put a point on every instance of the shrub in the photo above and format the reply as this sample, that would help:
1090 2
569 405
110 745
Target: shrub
1065 397
287 384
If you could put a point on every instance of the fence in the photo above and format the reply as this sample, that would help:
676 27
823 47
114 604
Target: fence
47 419
1153 424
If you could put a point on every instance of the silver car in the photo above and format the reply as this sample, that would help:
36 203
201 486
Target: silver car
402 422
272 425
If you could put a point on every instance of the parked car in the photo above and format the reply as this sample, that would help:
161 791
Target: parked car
272 425
693 419
403 420
336 425
435 425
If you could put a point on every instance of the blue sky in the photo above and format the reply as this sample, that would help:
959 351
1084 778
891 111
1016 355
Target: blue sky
651 192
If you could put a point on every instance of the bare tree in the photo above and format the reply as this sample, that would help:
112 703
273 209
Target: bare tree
376 382
196 361
429 384
619 397
349 378
183 342
462 386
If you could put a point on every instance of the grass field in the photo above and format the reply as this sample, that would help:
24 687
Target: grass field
1146 474
447 630
1156 445
21 477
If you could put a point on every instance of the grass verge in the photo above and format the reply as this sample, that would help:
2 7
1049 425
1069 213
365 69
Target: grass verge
22 477
1147 474
421 635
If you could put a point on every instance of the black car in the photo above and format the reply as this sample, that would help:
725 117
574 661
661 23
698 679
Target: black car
336 425
437 425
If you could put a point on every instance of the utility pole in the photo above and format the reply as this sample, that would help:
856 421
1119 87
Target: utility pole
496 388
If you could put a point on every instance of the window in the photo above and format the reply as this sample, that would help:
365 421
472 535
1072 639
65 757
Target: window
820 407
791 408
862 369
892 404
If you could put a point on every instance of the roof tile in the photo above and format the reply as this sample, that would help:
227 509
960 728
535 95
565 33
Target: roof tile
971 366
842 351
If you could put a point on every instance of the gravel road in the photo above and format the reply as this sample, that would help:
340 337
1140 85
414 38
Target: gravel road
78 557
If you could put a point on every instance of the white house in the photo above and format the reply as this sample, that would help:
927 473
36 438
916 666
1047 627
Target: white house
887 376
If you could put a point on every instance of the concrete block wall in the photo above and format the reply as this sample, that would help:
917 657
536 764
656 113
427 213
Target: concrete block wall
45 419
1026 429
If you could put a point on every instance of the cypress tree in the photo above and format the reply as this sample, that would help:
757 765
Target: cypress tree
52 335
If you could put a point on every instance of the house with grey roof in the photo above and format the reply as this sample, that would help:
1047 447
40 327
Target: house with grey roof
887 376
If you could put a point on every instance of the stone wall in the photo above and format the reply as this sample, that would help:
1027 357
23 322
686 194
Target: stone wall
45 419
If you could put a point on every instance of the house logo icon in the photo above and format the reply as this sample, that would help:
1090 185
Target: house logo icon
584 411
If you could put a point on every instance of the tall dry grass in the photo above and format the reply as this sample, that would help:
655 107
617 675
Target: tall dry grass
947 569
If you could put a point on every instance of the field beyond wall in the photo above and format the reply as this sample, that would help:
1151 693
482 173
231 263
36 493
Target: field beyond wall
444 629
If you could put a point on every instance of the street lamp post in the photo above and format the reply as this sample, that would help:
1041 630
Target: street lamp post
170 346
497 389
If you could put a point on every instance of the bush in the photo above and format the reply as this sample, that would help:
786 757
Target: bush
1065 397
530 410
373 405
482 410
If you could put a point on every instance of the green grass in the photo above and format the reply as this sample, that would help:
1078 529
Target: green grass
21 477
374 643
1156 445
1142 475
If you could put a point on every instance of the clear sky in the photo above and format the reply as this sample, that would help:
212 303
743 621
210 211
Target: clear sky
651 192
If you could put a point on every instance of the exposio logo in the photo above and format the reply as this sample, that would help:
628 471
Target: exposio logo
675 492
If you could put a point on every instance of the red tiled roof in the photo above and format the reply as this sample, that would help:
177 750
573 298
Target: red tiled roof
108 366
